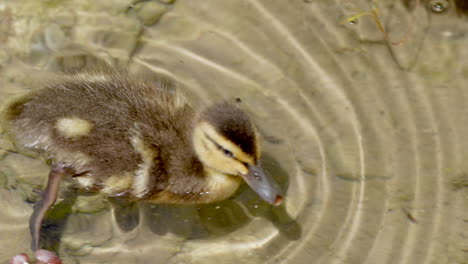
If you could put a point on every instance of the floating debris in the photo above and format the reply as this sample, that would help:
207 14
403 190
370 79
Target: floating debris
148 13
438 6
409 215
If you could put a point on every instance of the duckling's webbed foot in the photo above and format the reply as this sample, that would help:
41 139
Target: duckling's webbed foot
48 198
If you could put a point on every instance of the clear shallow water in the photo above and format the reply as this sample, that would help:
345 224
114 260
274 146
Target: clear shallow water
367 138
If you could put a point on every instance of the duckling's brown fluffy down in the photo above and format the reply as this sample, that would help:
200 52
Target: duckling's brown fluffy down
100 114
126 137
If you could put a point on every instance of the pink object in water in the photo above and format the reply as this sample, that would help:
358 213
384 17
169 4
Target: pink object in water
43 257
47 257
20 259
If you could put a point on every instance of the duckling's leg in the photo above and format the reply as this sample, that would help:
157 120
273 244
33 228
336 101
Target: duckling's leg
48 198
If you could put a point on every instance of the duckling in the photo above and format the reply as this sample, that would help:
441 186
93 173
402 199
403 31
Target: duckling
122 136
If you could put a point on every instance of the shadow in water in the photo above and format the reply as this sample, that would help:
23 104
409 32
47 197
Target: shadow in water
180 220
277 215
217 219
187 221
126 213
56 220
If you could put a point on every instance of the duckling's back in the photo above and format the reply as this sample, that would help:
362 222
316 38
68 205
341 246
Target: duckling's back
106 127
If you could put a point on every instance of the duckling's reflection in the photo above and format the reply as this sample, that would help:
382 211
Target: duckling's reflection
212 220
126 213
187 221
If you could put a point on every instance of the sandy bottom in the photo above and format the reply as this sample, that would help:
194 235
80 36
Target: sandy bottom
366 137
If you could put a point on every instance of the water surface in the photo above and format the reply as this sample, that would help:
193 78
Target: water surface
365 129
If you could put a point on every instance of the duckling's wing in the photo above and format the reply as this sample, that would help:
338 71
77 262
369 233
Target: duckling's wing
91 125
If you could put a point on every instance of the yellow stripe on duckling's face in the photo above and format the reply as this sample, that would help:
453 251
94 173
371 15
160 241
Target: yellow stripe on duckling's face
218 152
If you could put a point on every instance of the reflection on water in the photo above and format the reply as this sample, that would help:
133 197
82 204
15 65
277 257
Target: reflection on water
361 107
187 222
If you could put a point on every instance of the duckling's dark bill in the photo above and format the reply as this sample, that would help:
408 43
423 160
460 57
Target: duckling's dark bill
263 185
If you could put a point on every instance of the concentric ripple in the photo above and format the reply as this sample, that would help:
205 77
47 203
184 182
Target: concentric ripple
364 129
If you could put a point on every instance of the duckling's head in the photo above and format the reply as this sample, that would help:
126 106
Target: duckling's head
226 141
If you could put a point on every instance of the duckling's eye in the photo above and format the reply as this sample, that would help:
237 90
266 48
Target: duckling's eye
227 153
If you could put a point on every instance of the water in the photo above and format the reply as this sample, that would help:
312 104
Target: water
366 136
